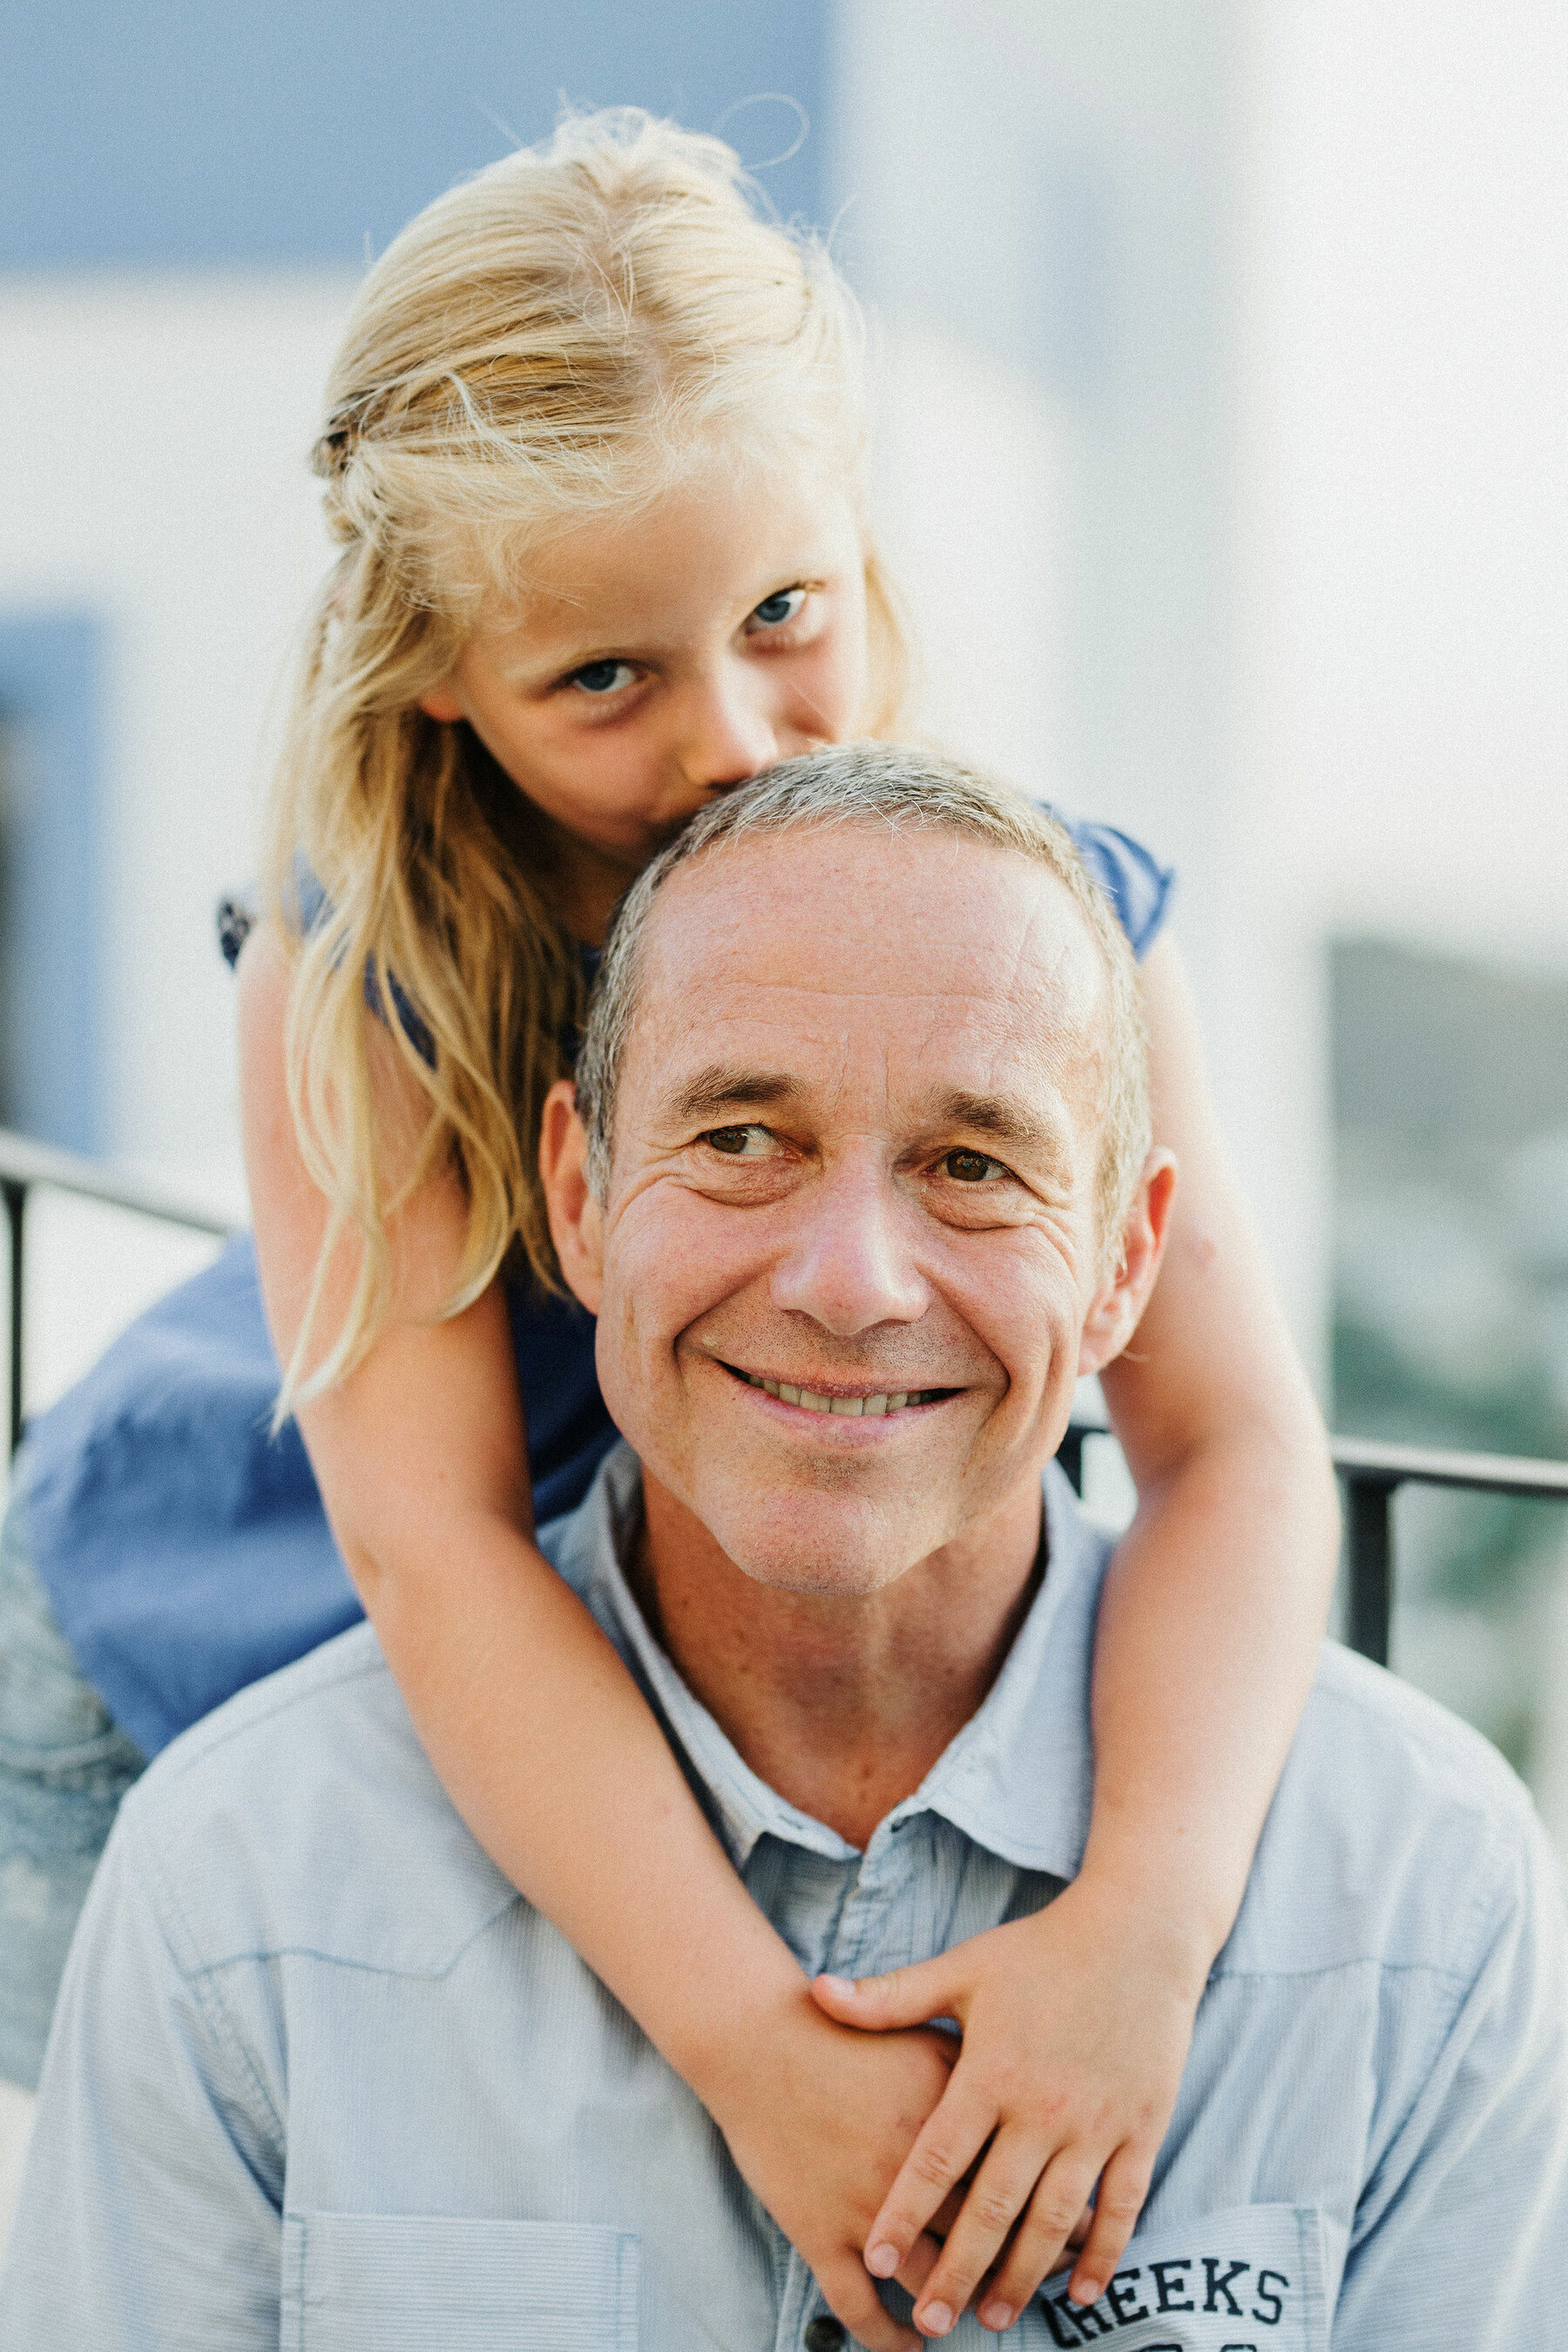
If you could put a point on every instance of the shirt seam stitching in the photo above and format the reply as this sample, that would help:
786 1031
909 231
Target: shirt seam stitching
168 1911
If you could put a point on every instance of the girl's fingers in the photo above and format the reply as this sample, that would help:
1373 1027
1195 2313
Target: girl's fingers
1002 2188
851 2296
918 2263
1123 2185
1058 2199
941 2224
910 1996
946 2145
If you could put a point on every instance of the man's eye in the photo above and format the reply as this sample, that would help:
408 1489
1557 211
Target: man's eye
784 605
602 676
739 1143
971 1167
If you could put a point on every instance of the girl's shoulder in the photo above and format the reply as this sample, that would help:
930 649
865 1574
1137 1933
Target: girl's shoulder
1131 877
305 902
237 915
306 905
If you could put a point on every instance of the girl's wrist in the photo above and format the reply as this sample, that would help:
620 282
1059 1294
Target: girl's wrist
716 2045
1183 1934
731 2065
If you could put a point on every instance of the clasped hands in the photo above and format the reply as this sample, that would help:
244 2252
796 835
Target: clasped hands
967 2170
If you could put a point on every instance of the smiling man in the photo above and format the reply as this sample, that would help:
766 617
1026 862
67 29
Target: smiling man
857 1178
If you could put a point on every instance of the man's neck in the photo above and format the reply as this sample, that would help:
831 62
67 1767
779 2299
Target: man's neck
841 1704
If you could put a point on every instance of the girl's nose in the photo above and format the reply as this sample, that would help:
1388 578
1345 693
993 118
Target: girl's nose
848 1265
727 734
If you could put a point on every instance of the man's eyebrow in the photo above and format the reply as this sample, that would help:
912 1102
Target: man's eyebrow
1002 1118
723 1086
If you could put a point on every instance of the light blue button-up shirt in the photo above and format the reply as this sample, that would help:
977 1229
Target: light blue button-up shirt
320 2079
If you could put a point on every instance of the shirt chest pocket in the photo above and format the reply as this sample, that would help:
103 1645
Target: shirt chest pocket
417 2282
1248 2280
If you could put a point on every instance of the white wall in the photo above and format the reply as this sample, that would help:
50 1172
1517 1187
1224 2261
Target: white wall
152 468
1406 460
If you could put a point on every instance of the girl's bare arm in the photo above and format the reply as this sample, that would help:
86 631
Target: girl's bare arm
537 1730
1077 2023
1219 1591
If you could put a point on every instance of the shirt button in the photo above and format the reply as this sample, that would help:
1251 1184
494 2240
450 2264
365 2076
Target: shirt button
825 2333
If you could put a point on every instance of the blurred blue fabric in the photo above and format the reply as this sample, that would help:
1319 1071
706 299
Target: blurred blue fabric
183 1547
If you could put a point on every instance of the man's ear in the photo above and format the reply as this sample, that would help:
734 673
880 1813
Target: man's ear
576 1222
1122 1295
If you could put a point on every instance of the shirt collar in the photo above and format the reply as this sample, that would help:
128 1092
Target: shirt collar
1017 1779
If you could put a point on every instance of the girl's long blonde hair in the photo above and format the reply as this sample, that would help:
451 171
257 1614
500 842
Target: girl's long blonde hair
561 336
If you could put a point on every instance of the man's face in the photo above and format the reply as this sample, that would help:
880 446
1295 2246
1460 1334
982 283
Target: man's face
855 1160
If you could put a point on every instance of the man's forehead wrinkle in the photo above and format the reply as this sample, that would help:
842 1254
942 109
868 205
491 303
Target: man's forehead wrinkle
826 956
790 1033
1071 1044
777 1040
1063 956
917 991
683 984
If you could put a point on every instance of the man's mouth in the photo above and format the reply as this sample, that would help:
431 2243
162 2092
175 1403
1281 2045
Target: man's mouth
849 1407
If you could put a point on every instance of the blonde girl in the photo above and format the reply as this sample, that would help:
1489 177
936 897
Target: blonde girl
592 461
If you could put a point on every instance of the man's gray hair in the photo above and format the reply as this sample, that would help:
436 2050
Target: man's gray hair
906 790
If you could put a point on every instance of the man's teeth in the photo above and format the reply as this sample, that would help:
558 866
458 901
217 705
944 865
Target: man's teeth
852 1408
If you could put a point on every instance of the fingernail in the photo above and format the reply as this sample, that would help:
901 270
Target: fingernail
936 2318
1086 2294
837 1984
882 2260
997 2315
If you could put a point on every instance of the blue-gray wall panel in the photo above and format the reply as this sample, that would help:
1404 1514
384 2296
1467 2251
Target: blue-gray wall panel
193 132
51 918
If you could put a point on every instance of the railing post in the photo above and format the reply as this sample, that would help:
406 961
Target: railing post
15 1193
1371 1533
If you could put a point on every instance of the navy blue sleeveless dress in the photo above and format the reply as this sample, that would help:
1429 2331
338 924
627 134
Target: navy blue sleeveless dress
184 1549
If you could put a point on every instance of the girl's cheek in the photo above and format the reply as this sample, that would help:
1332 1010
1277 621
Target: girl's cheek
846 693
828 681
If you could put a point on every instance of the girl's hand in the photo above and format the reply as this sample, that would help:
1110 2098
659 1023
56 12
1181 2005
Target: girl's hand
818 2121
1075 2028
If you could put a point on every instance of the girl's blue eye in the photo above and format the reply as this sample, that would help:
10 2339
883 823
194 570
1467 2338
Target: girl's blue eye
601 677
775 610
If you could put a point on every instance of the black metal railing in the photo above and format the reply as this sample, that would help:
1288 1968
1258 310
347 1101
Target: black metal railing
24 1164
1372 1473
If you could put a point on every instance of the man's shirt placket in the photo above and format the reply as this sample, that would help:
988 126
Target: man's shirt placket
858 1933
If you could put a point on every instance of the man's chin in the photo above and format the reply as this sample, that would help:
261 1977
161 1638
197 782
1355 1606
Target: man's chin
837 1546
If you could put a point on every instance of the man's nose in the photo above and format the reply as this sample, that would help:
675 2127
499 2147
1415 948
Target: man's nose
849 1265
726 731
